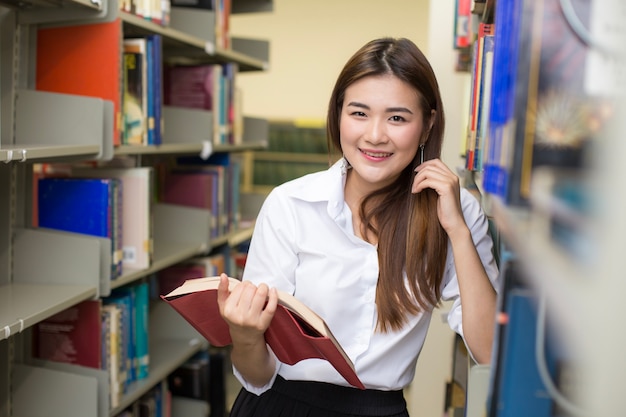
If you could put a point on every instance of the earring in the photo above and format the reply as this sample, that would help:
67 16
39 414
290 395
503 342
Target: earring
421 153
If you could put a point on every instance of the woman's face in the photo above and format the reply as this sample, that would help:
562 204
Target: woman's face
380 127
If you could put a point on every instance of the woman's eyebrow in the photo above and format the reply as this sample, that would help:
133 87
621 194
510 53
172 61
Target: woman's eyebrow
399 110
360 105
388 110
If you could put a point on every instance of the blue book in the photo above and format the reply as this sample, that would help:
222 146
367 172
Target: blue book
505 55
124 298
142 299
88 206
520 391
155 88
155 44
150 91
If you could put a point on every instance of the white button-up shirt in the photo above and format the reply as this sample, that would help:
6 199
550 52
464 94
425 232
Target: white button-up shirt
304 244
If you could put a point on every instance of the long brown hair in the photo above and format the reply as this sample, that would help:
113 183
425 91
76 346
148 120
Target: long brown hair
410 237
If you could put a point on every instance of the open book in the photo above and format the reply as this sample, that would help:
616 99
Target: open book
296 332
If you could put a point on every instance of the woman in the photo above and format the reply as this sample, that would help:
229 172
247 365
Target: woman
372 245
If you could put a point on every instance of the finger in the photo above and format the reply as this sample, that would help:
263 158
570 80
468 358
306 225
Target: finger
432 178
222 292
260 299
270 308
247 293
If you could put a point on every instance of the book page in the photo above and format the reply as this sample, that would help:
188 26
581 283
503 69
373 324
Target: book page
285 299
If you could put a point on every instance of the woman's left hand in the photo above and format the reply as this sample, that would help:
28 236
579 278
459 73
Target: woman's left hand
436 175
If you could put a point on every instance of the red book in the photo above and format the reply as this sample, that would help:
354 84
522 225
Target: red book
83 60
296 332
71 336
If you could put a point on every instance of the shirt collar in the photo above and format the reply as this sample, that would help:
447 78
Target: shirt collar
327 186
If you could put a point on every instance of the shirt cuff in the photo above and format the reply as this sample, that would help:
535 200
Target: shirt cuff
253 388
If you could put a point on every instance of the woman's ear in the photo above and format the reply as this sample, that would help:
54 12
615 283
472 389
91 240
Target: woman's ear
431 122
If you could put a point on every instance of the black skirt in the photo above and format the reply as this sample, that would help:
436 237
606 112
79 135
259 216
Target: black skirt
318 399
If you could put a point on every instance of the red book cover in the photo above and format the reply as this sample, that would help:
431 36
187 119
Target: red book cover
71 336
196 189
296 332
83 60
174 276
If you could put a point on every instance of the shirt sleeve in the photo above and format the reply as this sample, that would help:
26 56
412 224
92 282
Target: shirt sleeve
479 227
252 388
270 259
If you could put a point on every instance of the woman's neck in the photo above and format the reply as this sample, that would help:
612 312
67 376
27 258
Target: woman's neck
354 194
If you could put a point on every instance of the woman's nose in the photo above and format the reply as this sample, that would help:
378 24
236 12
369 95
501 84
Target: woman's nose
377 132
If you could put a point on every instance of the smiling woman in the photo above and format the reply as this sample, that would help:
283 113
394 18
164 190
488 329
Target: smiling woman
381 126
372 244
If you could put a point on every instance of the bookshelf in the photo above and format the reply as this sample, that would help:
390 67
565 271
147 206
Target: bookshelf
42 271
581 276
295 148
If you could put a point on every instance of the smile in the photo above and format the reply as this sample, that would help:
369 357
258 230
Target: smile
377 154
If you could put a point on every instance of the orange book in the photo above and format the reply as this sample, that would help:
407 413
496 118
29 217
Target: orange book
83 60
296 332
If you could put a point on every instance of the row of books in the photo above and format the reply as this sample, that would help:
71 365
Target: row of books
212 184
110 333
533 372
117 202
533 99
148 86
171 277
291 137
210 87
196 388
159 12
157 402
298 137
113 203
480 96
272 173
98 62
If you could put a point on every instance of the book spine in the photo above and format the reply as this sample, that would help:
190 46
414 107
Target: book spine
157 87
118 225
485 102
484 31
495 179
135 95
114 367
141 297
71 336
462 36
150 91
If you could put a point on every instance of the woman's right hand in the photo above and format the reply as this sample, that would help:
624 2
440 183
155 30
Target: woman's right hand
248 310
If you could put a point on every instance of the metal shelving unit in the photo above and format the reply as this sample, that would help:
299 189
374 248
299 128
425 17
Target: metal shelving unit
44 272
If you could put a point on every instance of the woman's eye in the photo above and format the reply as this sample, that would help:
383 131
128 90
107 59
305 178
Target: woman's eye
397 118
358 113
